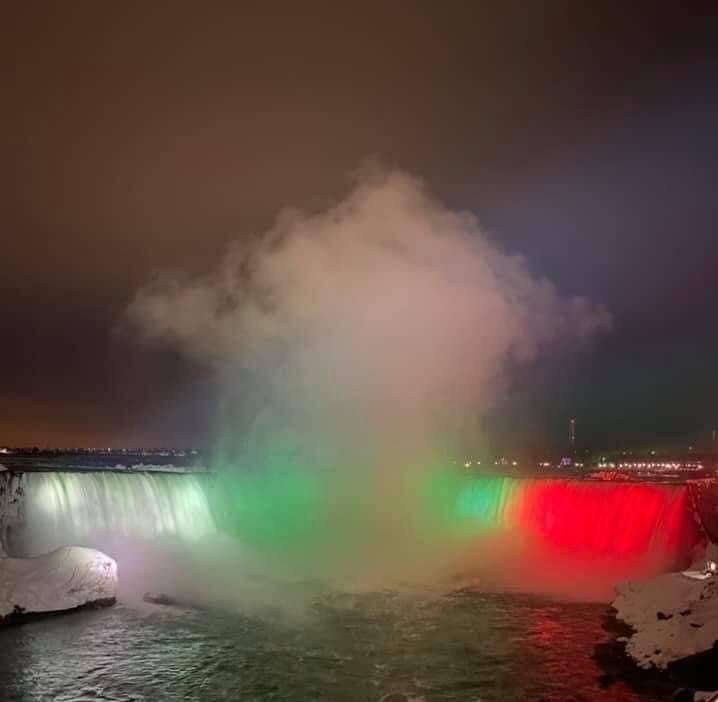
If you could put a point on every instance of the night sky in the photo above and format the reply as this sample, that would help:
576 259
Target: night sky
144 136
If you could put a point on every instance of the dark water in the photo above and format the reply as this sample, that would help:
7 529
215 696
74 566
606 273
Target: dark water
101 460
467 646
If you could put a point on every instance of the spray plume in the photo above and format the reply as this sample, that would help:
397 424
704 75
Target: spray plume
388 310
361 341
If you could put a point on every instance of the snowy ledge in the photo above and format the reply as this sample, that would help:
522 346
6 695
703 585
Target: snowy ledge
673 618
671 628
65 579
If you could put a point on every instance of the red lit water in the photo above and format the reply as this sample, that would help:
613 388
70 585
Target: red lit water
579 537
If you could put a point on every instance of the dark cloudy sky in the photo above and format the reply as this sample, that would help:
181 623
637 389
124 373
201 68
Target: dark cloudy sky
141 136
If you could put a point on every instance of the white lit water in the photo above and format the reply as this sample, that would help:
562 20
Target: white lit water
99 508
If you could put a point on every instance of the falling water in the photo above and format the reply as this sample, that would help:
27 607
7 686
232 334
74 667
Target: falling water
569 536
51 509
577 537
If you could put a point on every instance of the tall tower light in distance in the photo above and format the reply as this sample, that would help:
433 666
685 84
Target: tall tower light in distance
572 436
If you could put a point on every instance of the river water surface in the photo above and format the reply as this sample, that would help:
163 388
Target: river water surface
355 647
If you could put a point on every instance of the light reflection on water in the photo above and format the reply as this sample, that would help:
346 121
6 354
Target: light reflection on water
465 647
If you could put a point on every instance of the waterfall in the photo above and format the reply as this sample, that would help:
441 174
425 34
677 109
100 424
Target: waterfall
574 535
539 534
616 520
40 511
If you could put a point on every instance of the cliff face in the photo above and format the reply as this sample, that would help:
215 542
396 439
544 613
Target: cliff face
703 498
11 507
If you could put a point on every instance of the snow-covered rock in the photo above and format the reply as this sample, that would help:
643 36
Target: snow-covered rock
70 577
673 617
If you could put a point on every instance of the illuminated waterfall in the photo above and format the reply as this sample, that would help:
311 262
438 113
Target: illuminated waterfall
597 519
94 508
553 534
557 534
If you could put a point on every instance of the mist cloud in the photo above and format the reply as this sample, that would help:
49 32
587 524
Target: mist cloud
388 310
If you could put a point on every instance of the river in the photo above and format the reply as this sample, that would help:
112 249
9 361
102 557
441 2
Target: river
356 647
